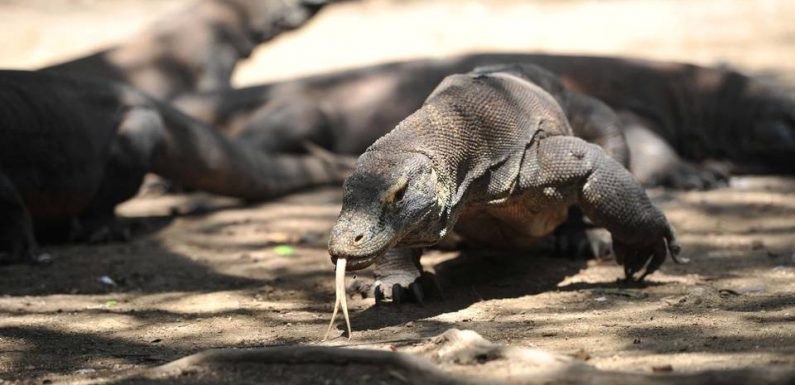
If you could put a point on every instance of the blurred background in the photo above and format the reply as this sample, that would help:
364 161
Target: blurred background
756 36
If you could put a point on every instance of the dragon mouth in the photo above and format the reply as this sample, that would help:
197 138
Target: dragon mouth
362 255
355 263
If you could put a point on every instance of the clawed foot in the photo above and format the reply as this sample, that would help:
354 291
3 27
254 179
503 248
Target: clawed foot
395 289
646 257
583 243
17 252
577 239
18 245
398 292
706 176
99 232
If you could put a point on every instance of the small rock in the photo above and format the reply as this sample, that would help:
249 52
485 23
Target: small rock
662 369
106 280
671 300
600 299
581 355
757 245
725 293
43 259
85 371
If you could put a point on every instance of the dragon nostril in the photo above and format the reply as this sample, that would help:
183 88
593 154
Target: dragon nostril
358 238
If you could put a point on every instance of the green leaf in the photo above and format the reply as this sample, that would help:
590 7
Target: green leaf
284 250
111 303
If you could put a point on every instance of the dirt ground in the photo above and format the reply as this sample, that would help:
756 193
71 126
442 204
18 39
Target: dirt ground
220 274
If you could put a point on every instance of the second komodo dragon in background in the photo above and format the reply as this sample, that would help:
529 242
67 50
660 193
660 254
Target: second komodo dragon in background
194 49
490 155
71 149
687 126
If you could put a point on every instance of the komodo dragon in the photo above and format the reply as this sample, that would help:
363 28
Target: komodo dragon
71 149
703 113
490 154
194 49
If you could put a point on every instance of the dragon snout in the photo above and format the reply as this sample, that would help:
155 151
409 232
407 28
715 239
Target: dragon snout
358 242
346 241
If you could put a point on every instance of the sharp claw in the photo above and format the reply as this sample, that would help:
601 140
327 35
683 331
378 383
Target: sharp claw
397 294
674 249
416 289
629 272
378 294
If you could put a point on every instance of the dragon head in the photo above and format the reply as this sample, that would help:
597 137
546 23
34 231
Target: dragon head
391 199
268 18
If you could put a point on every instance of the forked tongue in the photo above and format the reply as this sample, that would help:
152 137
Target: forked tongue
341 299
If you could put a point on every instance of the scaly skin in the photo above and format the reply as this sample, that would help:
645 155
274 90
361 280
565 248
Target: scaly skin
195 49
71 149
697 114
491 156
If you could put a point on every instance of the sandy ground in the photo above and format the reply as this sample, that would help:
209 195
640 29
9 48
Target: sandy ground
218 278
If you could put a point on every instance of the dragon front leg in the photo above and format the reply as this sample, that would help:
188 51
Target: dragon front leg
568 170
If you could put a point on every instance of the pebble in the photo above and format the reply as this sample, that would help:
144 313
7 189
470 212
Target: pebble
662 369
105 280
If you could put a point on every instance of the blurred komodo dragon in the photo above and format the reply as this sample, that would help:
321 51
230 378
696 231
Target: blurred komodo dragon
677 117
490 154
71 149
194 49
